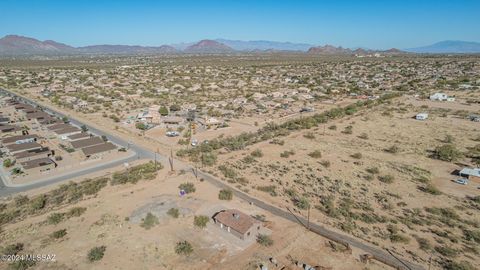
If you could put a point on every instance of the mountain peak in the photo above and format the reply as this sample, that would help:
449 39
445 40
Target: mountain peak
449 46
208 46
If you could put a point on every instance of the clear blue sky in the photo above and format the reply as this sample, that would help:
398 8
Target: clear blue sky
369 23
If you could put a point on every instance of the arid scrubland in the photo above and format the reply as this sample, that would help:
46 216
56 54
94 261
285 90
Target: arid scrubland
334 139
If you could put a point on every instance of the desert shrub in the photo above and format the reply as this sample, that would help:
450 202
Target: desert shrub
447 251
348 130
59 234
227 171
12 249
20 200
286 154
209 159
393 149
472 235
76 211
398 238
183 248
357 156
200 221
55 218
373 170
7 163
386 178
149 221
38 202
21 264
424 244
264 240
269 189
187 187
431 189
363 136
463 265
332 127
309 135
225 194
302 203
277 141
315 154
257 153
248 159
96 253
325 163
446 152
173 212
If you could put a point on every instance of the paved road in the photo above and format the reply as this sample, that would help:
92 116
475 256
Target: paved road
139 154
378 253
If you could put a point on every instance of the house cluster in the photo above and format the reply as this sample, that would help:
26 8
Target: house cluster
29 152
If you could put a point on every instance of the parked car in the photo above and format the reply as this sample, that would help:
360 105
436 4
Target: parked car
462 181
172 133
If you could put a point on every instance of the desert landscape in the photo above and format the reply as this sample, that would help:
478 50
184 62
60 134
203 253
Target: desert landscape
380 149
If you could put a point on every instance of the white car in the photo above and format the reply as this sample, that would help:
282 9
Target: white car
172 133
462 181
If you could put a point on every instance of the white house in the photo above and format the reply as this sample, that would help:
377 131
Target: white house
441 97
421 116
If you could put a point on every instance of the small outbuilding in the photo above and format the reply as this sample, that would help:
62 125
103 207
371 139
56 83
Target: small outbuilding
470 173
421 116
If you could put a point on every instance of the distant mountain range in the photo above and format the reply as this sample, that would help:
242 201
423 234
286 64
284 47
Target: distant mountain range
449 46
12 45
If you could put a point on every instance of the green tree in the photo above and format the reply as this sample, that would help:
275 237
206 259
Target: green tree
163 111
96 253
7 163
183 248
447 152
141 126
175 108
200 221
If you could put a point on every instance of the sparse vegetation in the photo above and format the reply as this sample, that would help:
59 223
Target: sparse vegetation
225 194
200 221
96 253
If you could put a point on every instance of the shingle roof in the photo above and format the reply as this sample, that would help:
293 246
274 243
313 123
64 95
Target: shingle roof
36 163
23 146
91 150
236 220
87 142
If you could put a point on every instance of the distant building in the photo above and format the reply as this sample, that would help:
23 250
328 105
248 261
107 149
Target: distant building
470 173
441 97
238 223
421 116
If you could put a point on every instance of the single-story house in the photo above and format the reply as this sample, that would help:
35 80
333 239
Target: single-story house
58 126
4 120
470 173
32 154
98 150
65 132
79 136
19 139
209 122
238 223
10 130
421 116
16 148
39 165
441 97
172 120
39 115
79 144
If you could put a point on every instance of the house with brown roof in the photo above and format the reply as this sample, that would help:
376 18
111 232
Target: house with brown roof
16 148
19 139
79 136
79 144
65 132
238 223
10 130
39 165
58 126
98 150
28 155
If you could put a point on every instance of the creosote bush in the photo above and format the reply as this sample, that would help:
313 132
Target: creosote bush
225 194
96 253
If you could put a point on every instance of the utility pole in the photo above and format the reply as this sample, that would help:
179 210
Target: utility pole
308 218
171 160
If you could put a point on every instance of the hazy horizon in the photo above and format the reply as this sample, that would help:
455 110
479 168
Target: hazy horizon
367 24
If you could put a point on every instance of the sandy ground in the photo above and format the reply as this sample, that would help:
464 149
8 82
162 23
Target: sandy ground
112 219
